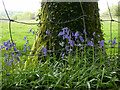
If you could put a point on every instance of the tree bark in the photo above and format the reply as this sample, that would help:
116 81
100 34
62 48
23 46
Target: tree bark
57 15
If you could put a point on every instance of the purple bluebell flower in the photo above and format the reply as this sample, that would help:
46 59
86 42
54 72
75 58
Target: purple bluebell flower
84 32
72 33
18 58
9 41
87 39
66 47
64 32
76 35
5 44
66 36
18 53
65 28
10 63
45 51
13 43
71 42
36 34
15 49
10 46
60 34
25 37
94 34
69 38
6 57
110 41
9 49
102 43
27 42
33 32
69 51
81 39
24 49
90 43
2 47
63 36
48 32
24 45
63 55
92 39
30 30
114 42
28 48
67 31
6 49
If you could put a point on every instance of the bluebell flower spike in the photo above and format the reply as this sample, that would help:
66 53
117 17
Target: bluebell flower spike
30 30
63 55
25 37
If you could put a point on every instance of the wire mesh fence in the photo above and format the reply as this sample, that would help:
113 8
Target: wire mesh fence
12 57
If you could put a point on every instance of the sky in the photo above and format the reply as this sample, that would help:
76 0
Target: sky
34 5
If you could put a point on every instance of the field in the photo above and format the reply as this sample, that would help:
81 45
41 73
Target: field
18 33
89 68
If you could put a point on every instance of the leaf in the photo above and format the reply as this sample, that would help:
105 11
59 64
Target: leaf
62 44
34 82
88 85
102 74
59 79
37 75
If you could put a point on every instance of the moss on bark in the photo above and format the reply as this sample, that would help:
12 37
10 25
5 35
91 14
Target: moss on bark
57 12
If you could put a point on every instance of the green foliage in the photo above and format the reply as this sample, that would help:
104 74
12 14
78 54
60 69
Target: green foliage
11 13
113 10
23 16
102 74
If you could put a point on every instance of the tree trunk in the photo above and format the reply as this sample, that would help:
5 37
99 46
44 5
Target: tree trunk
57 15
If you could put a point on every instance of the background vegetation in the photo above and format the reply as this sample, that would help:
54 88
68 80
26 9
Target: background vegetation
114 11
19 15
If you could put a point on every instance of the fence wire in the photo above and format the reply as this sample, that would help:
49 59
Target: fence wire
111 20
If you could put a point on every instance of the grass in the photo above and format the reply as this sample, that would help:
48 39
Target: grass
93 69
18 33
60 73
108 33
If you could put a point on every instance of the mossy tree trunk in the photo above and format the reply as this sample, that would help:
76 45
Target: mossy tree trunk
53 13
